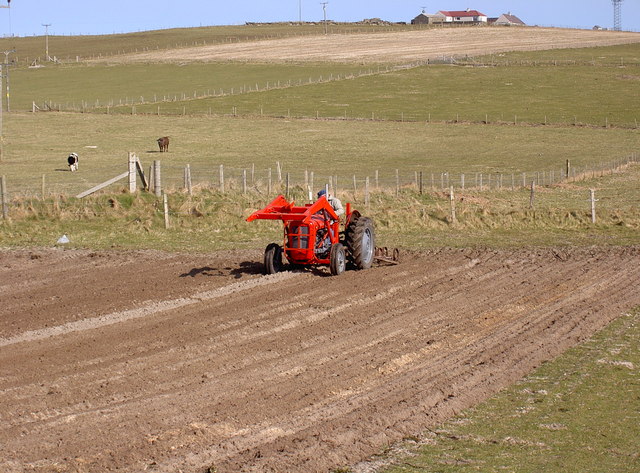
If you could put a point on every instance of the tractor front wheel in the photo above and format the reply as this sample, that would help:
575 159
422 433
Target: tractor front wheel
337 259
273 259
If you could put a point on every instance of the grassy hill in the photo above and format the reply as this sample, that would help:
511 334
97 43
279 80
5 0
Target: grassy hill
69 48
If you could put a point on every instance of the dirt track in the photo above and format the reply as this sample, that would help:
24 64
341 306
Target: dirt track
143 361
399 47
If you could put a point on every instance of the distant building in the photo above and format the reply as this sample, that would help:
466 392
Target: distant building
464 16
421 19
507 19
426 19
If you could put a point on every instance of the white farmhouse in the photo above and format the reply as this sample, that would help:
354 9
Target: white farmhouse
464 16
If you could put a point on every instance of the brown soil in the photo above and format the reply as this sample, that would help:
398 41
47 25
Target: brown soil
145 361
400 47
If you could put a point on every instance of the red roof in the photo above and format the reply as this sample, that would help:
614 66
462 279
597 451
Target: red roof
462 13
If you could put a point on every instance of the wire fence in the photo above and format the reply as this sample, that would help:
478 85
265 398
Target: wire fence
302 185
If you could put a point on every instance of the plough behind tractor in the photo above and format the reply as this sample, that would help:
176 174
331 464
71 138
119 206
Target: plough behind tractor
312 236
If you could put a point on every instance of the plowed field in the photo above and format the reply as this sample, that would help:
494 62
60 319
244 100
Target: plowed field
145 361
398 47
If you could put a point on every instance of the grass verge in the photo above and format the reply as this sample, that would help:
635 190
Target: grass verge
578 413
209 220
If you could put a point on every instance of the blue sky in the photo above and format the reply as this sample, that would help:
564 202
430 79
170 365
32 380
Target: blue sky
26 17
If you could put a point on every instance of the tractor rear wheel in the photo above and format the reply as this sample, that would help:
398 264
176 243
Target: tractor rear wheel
360 239
337 259
273 259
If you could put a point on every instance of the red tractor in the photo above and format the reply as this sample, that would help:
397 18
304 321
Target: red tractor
312 236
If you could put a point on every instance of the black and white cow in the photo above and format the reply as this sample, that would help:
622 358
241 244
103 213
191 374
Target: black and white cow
73 162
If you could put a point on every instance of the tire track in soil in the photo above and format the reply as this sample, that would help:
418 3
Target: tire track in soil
304 374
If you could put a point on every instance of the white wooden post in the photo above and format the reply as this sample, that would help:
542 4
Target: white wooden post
222 178
188 175
132 172
157 182
593 205
166 210
4 198
452 201
366 191
287 182
533 192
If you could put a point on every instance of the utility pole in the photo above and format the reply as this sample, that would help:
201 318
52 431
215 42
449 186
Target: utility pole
1 131
46 40
300 11
6 63
324 12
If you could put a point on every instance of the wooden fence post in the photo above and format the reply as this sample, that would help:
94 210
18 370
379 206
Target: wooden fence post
366 191
187 171
452 201
165 205
132 172
157 182
4 197
152 185
279 170
269 182
421 184
355 188
533 193
43 186
287 185
311 176
568 169
592 194
397 183
244 181
222 178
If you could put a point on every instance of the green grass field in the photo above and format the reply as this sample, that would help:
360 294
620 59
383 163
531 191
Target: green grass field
37 144
600 96
578 413
596 95
78 86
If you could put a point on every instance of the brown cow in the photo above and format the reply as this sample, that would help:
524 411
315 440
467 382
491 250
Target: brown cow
163 143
